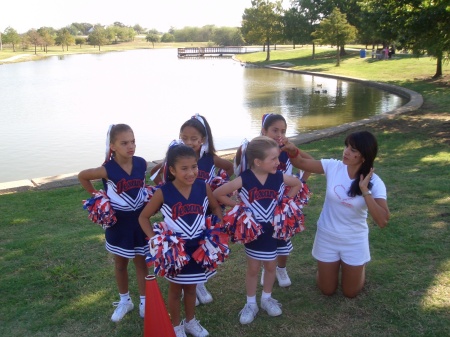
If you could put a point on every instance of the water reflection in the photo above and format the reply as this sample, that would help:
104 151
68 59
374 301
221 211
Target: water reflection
55 112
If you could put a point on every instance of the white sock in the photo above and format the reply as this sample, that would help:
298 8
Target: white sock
265 296
124 298
142 300
251 299
281 267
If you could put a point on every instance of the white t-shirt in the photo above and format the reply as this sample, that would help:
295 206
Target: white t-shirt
345 216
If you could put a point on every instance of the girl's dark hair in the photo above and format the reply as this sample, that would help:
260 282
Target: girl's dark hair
257 148
205 131
116 129
270 119
367 145
174 153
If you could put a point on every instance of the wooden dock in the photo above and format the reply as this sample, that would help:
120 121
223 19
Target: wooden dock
210 51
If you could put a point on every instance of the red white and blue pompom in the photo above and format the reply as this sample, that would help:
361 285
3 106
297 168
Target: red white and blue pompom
150 191
100 210
213 248
220 179
288 219
241 225
167 253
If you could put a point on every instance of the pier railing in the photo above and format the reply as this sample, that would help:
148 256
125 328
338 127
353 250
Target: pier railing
205 51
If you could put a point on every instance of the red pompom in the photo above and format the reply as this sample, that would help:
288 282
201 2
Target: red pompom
241 225
213 248
100 210
167 253
288 219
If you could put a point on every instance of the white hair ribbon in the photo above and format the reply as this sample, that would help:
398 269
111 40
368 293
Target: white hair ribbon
243 165
205 145
173 143
108 152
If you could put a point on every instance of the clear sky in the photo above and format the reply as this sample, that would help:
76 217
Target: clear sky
23 15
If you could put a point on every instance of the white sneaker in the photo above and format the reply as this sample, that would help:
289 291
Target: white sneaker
271 306
179 331
142 309
283 277
203 295
262 276
248 313
194 328
121 310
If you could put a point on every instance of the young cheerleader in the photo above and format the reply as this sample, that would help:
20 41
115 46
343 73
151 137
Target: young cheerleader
274 126
123 176
183 201
260 188
196 133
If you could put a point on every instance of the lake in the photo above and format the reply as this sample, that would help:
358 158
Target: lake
55 112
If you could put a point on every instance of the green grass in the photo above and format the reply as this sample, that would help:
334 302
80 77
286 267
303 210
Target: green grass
56 278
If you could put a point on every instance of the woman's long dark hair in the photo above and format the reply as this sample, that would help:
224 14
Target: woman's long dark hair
367 145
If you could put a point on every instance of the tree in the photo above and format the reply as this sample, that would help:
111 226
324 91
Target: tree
150 37
80 41
11 36
262 23
47 37
98 36
167 37
138 29
64 38
34 38
336 31
296 27
228 36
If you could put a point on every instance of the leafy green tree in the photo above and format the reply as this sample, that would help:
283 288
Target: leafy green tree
98 37
262 23
47 35
228 36
64 38
150 37
138 29
11 36
167 37
296 27
111 33
80 41
34 38
336 31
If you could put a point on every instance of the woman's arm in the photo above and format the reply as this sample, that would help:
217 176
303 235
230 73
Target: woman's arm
86 176
301 159
224 164
221 193
150 209
378 208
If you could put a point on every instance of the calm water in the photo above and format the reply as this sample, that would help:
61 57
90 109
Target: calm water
55 112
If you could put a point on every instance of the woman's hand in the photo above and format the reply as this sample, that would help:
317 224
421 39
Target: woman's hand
364 182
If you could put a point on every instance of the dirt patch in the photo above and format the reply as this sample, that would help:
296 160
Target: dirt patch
443 81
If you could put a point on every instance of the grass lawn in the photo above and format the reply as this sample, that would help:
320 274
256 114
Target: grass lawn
57 279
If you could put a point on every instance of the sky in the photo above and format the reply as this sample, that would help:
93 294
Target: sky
23 15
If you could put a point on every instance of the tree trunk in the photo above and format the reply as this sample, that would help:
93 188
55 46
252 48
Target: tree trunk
342 51
98 47
268 50
338 57
438 67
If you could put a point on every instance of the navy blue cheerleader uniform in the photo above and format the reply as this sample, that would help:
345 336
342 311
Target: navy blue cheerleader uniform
206 167
262 200
186 217
127 196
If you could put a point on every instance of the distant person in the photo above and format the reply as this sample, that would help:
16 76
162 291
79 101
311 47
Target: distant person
274 126
260 187
183 201
391 51
353 190
196 133
123 176
386 52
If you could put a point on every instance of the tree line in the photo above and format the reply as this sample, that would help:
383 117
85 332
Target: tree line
419 26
